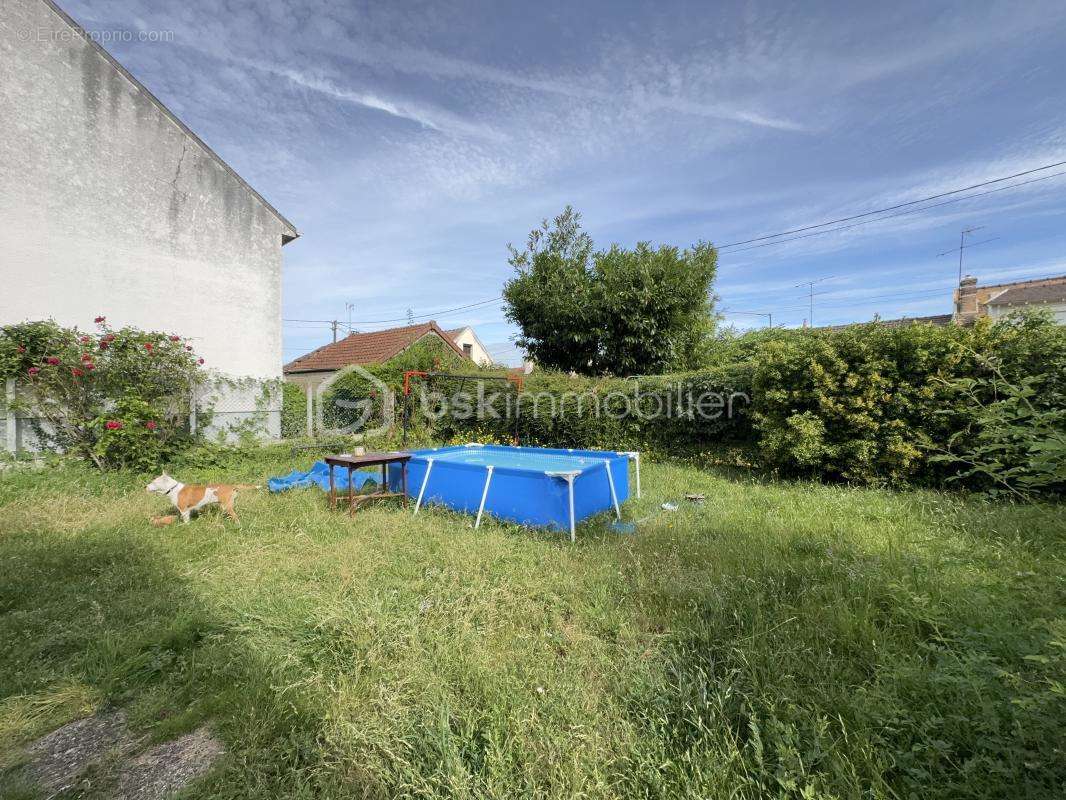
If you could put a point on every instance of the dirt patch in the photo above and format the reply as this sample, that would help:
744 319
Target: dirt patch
164 769
57 759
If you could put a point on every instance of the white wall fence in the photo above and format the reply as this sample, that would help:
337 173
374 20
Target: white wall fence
224 413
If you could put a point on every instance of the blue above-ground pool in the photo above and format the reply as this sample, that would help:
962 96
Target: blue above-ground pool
528 485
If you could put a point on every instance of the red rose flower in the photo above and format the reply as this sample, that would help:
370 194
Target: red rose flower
22 349
175 338
150 425
52 360
77 373
98 320
33 371
113 425
104 343
200 361
90 365
148 346
85 340
86 357
188 347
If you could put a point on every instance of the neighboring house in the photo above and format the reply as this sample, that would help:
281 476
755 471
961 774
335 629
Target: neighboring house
995 300
935 319
112 206
471 346
999 299
375 347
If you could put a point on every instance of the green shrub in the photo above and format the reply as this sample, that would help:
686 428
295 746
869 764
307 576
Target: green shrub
856 403
293 410
128 438
662 413
1014 437
876 404
117 397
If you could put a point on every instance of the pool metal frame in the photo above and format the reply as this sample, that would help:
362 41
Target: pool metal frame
568 475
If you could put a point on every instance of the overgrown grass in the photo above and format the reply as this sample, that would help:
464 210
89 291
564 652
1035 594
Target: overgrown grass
779 640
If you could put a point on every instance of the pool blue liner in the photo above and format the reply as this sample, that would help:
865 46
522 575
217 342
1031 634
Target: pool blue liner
527 485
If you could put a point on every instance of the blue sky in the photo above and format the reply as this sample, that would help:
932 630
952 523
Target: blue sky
409 143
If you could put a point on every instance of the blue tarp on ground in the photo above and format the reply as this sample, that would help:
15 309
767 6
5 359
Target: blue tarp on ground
318 476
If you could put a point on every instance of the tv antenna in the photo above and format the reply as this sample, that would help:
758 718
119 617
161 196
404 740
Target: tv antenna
810 294
963 246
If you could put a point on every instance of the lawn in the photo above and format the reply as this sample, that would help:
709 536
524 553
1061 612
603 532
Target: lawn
783 639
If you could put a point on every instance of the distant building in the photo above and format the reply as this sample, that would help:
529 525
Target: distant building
375 347
972 302
999 299
471 346
112 206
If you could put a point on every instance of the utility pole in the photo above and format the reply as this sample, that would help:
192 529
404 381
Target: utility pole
810 294
336 323
963 246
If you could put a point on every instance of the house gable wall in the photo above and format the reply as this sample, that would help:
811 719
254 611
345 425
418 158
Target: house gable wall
110 207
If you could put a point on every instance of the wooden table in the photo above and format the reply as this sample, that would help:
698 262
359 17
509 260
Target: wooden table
368 460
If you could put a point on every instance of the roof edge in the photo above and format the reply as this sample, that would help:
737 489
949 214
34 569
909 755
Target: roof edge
1027 282
431 327
287 235
444 335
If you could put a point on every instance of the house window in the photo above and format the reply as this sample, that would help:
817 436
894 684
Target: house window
468 351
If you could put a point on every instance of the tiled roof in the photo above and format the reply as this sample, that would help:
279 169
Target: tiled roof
366 348
1020 295
935 319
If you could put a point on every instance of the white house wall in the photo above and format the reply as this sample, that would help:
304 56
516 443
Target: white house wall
109 208
478 354
1057 310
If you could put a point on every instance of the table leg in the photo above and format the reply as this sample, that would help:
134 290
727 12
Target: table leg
384 480
403 481
351 507
332 490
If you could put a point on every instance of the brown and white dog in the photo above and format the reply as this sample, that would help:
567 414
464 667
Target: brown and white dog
188 498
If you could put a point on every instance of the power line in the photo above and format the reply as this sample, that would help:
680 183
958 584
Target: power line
893 216
768 314
897 206
914 294
807 231
430 314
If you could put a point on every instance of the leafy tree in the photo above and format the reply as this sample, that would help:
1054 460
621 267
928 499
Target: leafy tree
617 311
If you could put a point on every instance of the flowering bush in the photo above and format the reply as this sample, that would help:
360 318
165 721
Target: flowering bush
118 397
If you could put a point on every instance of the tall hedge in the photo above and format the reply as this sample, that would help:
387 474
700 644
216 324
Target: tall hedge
871 404
877 404
669 413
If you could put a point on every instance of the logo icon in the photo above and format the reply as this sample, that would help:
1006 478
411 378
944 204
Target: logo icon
354 401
